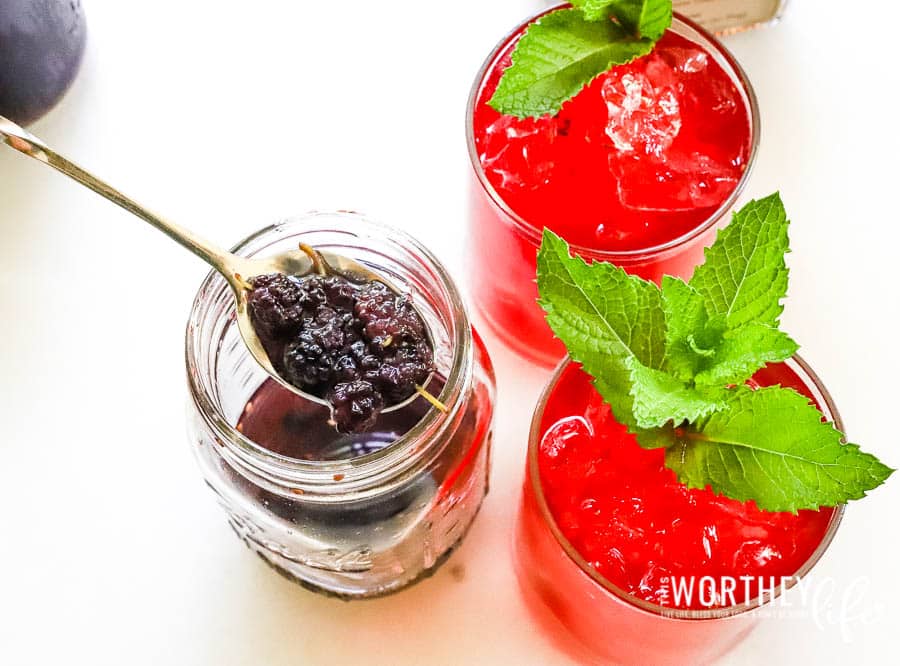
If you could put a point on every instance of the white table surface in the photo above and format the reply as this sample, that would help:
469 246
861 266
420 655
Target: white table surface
228 116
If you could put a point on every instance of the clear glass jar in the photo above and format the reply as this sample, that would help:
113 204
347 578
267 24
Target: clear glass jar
506 243
589 616
351 527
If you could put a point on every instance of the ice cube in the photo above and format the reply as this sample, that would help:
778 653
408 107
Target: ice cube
754 556
562 434
607 560
713 92
512 155
672 181
642 108
686 61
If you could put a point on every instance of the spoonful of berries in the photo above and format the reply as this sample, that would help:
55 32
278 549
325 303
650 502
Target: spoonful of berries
321 324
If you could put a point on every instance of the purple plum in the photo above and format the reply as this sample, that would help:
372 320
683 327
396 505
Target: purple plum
41 45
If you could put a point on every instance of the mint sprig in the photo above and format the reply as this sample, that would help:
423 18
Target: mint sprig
673 362
563 51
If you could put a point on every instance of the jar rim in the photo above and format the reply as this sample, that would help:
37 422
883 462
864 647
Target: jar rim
679 22
809 378
386 462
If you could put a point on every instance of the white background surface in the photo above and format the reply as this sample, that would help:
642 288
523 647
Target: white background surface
227 116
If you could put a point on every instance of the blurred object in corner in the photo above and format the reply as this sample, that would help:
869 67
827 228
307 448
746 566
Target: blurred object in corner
41 46
725 16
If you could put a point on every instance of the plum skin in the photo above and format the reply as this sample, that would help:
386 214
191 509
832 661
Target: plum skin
41 49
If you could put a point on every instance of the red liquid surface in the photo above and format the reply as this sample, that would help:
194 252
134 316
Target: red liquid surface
645 154
630 519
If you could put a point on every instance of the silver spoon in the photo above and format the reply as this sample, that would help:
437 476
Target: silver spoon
239 272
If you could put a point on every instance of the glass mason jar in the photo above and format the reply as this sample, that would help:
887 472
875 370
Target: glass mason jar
348 526
503 243
589 616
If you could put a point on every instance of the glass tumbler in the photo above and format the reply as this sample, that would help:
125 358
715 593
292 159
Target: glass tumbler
589 616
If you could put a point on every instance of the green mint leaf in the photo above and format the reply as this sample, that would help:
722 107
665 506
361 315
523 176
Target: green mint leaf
744 276
655 18
655 438
647 18
627 12
686 316
743 352
604 316
722 326
660 398
559 55
771 445
593 10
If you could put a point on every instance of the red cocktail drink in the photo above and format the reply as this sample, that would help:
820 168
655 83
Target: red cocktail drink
622 562
638 169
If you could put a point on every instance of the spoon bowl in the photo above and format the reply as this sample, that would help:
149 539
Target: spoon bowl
301 263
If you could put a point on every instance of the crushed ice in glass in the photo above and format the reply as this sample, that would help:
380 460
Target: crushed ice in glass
644 104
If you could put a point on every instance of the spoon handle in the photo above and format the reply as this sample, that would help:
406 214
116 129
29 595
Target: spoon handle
25 142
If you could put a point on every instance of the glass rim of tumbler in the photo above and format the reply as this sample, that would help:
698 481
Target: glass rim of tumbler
682 26
363 473
824 400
